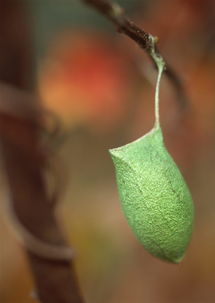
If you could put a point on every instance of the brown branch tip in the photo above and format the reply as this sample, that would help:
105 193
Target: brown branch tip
115 13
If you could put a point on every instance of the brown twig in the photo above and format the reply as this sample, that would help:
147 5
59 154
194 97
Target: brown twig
146 41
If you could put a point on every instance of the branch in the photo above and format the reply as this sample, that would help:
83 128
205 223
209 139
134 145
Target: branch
146 41
31 212
25 160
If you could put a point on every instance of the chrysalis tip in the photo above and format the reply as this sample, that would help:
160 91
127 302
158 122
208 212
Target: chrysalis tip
178 260
114 152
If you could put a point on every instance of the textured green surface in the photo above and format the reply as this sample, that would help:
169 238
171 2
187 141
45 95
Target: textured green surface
155 198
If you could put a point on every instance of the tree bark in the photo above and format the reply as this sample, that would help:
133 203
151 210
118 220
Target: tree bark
25 161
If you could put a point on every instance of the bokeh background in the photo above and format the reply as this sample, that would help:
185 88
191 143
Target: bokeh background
101 86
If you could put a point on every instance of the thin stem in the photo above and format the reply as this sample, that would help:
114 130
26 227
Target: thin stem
157 117
159 61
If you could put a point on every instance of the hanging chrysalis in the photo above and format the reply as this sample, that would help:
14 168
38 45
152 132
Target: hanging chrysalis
154 196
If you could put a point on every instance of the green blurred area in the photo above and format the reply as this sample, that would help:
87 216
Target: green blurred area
112 266
51 17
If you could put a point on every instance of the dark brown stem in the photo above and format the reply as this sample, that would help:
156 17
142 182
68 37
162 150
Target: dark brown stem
146 41
25 160
24 164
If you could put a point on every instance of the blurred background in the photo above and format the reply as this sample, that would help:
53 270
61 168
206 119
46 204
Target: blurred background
101 86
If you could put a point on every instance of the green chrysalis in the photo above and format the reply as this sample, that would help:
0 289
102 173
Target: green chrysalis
154 196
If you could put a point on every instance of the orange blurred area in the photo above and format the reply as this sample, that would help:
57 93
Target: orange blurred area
85 79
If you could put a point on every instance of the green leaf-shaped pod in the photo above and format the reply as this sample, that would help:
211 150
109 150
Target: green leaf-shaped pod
154 196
